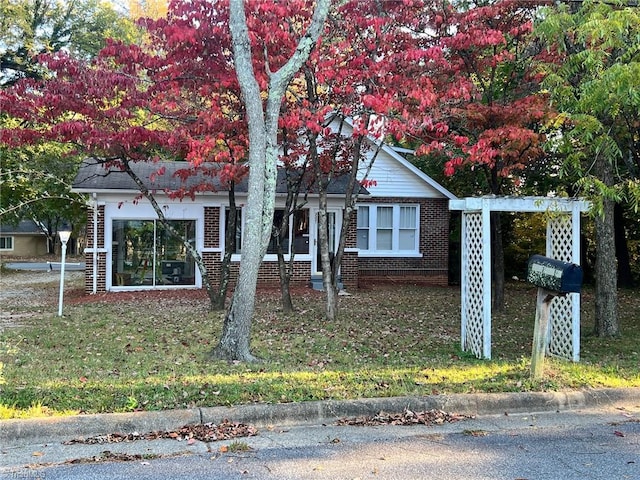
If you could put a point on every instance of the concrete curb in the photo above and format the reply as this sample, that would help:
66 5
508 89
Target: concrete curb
319 412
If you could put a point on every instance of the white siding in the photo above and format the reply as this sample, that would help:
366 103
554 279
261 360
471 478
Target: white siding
393 179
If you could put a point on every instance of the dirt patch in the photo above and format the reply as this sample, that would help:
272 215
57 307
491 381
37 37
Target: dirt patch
26 294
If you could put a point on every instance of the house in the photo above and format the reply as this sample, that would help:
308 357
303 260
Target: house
23 240
401 228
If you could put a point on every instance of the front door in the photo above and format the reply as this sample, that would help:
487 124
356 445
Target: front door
332 222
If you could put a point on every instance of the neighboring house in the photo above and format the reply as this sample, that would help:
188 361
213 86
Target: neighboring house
401 229
23 240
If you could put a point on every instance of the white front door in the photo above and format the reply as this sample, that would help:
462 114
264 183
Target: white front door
333 222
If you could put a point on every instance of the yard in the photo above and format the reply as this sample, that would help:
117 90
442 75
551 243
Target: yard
149 351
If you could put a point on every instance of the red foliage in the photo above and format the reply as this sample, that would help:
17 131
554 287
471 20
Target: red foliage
175 96
394 68
496 125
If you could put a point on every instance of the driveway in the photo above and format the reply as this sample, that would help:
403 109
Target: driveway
27 293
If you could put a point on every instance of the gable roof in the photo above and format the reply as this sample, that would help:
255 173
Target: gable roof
409 168
94 176
417 172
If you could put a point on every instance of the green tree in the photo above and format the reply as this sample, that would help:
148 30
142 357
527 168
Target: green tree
35 180
593 75
36 185
31 27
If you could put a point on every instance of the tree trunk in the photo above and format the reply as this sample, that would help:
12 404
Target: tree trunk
236 331
497 261
285 284
606 321
284 269
329 280
231 227
263 154
352 191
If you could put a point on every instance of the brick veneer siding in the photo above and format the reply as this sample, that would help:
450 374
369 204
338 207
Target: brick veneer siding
267 275
102 256
349 267
432 267
211 227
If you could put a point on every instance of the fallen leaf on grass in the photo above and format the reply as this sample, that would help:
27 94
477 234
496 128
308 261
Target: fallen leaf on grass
37 454
407 417
207 432
618 433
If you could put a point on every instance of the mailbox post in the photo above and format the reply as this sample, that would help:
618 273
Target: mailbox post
553 278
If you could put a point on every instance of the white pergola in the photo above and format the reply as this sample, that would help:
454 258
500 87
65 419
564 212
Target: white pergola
563 243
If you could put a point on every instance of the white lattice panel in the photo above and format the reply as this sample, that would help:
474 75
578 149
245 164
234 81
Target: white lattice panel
560 247
562 244
472 317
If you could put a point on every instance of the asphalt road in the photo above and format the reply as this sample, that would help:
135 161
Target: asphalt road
586 444
42 266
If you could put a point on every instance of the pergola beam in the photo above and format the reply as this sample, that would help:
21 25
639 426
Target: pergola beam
519 204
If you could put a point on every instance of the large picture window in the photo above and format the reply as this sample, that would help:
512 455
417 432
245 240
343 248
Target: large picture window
298 233
388 228
146 254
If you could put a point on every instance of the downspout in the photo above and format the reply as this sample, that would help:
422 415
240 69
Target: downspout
95 244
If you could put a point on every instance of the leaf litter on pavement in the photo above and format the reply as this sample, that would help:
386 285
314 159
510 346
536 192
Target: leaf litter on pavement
205 432
407 417
210 432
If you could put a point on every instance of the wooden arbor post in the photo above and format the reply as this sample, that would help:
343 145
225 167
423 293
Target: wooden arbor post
540 328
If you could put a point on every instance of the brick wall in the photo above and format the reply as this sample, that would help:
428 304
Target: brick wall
349 267
432 267
211 227
267 274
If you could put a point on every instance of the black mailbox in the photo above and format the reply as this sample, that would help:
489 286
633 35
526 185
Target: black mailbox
556 275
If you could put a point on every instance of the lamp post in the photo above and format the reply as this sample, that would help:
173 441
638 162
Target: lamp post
64 238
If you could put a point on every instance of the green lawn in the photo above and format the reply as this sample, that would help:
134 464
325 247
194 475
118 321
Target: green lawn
123 352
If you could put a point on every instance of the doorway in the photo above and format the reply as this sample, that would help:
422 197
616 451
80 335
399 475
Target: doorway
333 219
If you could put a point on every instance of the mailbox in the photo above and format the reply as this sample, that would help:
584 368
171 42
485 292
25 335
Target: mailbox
556 275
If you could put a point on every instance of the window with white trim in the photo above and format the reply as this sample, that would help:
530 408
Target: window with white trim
388 228
298 232
146 254
6 243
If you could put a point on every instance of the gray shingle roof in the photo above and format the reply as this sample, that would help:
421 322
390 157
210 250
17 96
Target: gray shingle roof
24 227
93 175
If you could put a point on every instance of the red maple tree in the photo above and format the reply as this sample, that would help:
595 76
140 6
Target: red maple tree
495 129
369 80
174 97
